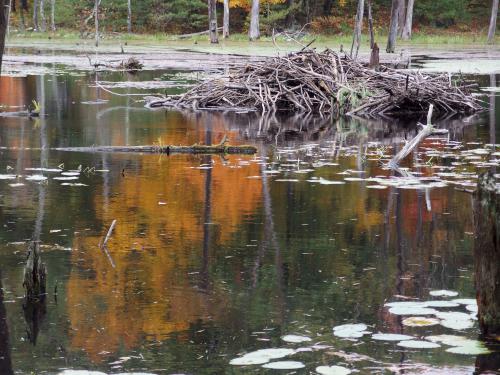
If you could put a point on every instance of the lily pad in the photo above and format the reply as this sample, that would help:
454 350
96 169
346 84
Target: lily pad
284 365
295 338
405 304
443 293
471 308
36 177
473 347
391 337
418 344
350 330
450 340
458 325
465 301
412 311
261 356
441 304
332 370
417 321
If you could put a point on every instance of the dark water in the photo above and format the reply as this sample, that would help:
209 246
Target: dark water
214 262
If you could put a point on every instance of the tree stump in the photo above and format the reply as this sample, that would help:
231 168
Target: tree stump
487 254
35 274
375 57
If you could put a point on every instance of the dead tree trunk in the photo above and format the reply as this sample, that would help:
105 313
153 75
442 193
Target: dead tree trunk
22 22
53 15
43 21
358 25
96 20
5 361
409 20
401 16
225 21
370 24
212 21
129 16
254 32
487 254
36 27
4 9
493 22
393 27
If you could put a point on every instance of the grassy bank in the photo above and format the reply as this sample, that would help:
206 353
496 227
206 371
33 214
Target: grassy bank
238 43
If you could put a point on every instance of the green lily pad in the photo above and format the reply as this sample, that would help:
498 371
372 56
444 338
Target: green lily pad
332 370
473 347
295 338
441 304
417 321
443 293
284 365
418 344
412 311
465 301
350 330
450 340
391 337
261 356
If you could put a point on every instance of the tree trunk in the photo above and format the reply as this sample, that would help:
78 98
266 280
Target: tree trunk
22 22
53 15
393 27
3 27
225 23
401 16
35 15
96 18
254 32
409 20
43 22
212 21
493 22
370 24
358 25
129 16
487 254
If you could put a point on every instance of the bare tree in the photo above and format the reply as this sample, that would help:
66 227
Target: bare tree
401 16
254 32
36 27
129 16
53 15
43 22
409 20
96 19
4 13
212 21
393 27
22 22
493 21
370 24
358 25
225 21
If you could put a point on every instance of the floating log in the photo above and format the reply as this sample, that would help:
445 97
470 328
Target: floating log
194 149
325 82
487 254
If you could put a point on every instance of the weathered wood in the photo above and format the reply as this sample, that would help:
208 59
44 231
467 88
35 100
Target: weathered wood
408 20
212 21
254 30
487 254
375 57
35 274
370 25
358 25
225 20
194 149
393 27
4 11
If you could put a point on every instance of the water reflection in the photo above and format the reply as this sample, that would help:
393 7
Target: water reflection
214 256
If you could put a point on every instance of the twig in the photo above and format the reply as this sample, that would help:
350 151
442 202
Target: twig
110 231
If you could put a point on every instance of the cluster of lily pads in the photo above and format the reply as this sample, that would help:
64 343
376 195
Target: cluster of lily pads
416 314
447 163
40 175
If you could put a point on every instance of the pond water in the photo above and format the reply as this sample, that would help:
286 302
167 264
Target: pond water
216 257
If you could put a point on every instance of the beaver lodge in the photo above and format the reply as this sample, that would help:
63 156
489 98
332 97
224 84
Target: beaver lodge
326 82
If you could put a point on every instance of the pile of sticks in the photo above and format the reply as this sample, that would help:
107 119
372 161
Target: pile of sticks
325 82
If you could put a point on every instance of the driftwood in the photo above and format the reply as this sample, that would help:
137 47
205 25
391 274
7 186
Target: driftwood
221 148
325 82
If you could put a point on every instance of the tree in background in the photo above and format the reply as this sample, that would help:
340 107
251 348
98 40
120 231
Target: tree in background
393 26
356 40
53 15
36 27
254 31
408 21
4 13
129 16
212 21
43 21
225 22
493 21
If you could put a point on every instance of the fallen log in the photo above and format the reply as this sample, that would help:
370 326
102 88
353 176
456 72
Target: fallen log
325 82
194 149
